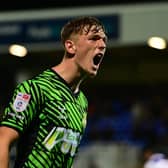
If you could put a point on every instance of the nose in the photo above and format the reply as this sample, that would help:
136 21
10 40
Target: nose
102 44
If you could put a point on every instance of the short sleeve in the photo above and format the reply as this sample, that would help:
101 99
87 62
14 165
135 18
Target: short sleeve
23 107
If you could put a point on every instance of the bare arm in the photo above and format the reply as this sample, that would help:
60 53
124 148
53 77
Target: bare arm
7 136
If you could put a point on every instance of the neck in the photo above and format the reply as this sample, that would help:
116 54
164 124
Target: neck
69 72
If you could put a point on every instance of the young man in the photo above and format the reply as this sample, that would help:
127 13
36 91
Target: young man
47 114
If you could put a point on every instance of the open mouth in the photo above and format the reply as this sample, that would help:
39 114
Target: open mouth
97 59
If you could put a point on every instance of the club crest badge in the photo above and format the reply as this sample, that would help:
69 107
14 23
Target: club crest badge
21 101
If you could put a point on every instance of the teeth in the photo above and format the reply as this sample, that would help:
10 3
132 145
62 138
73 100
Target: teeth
100 55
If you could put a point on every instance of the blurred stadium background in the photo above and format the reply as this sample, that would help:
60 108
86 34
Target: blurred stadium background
128 110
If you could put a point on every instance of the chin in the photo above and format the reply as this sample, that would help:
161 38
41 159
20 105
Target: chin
92 75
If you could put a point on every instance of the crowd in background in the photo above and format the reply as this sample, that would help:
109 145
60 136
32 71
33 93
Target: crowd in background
134 118
130 115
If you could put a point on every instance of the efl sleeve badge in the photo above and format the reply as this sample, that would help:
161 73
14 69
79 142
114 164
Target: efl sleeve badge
21 101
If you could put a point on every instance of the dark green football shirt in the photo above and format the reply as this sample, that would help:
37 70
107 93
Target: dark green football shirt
51 120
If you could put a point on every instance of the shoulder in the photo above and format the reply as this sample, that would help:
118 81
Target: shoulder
44 78
31 86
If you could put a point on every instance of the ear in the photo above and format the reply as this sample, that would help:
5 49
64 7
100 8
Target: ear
70 46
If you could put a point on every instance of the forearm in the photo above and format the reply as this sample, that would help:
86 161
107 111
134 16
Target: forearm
4 156
7 136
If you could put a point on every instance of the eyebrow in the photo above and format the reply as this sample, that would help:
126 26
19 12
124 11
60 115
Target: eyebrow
97 35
